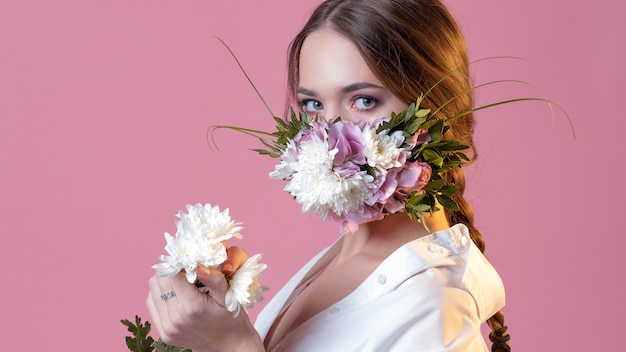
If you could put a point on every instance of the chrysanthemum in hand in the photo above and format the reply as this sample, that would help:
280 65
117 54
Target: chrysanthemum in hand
199 240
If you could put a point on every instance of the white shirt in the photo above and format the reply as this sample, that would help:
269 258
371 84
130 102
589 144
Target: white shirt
431 294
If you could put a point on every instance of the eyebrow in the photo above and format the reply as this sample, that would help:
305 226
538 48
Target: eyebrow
347 89
359 85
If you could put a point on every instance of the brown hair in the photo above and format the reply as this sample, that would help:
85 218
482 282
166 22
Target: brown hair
410 45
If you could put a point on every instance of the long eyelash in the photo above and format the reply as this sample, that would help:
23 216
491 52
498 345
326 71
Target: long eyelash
376 102
303 102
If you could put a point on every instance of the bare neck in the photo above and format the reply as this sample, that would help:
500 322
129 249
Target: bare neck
380 238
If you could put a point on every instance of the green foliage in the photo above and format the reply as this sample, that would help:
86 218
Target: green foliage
287 130
141 341
440 154
163 347
276 142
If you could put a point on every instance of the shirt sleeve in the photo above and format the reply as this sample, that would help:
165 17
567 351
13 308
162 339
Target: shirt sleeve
429 312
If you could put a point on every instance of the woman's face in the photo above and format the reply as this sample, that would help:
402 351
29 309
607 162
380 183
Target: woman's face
335 81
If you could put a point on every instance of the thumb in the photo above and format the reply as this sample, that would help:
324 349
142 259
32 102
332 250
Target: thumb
236 257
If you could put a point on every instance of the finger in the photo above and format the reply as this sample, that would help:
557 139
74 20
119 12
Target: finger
236 257
156 305
154 314
183 290
215 283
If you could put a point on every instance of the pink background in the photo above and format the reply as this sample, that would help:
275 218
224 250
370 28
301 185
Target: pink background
104 108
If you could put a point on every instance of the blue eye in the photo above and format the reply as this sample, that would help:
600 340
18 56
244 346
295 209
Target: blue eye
364 103
311 105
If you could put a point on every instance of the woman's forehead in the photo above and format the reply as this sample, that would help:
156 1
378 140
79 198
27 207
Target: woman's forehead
329 59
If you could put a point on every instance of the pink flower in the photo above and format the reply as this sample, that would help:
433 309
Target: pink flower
350 221
394 205
386 184
348 139
318 128
419 137
347 169
413 176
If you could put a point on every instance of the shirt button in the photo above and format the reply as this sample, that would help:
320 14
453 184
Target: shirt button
382 279
433 248
334 310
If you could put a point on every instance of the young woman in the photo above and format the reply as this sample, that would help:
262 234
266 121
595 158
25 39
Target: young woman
390 285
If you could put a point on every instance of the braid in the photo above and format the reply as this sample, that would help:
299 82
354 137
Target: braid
498 335
465 214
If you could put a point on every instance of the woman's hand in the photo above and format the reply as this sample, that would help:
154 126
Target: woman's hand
186 316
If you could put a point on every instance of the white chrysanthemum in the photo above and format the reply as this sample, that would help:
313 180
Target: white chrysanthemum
314 190
352 193
208 222
322 191
187 252
198 241
382 150
245 289
284 170
314 154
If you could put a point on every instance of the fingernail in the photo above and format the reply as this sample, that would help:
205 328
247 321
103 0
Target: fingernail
227 268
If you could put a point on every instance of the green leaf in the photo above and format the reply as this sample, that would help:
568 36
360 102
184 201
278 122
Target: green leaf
429 200
429 123
413 215
434 184
450 165
449 145
415 125
141 341
415 198
448 190
410 112
420 208
447 202
163 347
261 151
280 123
432 157
422 112
436 130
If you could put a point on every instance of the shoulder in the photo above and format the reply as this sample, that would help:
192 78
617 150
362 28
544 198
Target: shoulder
454 267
